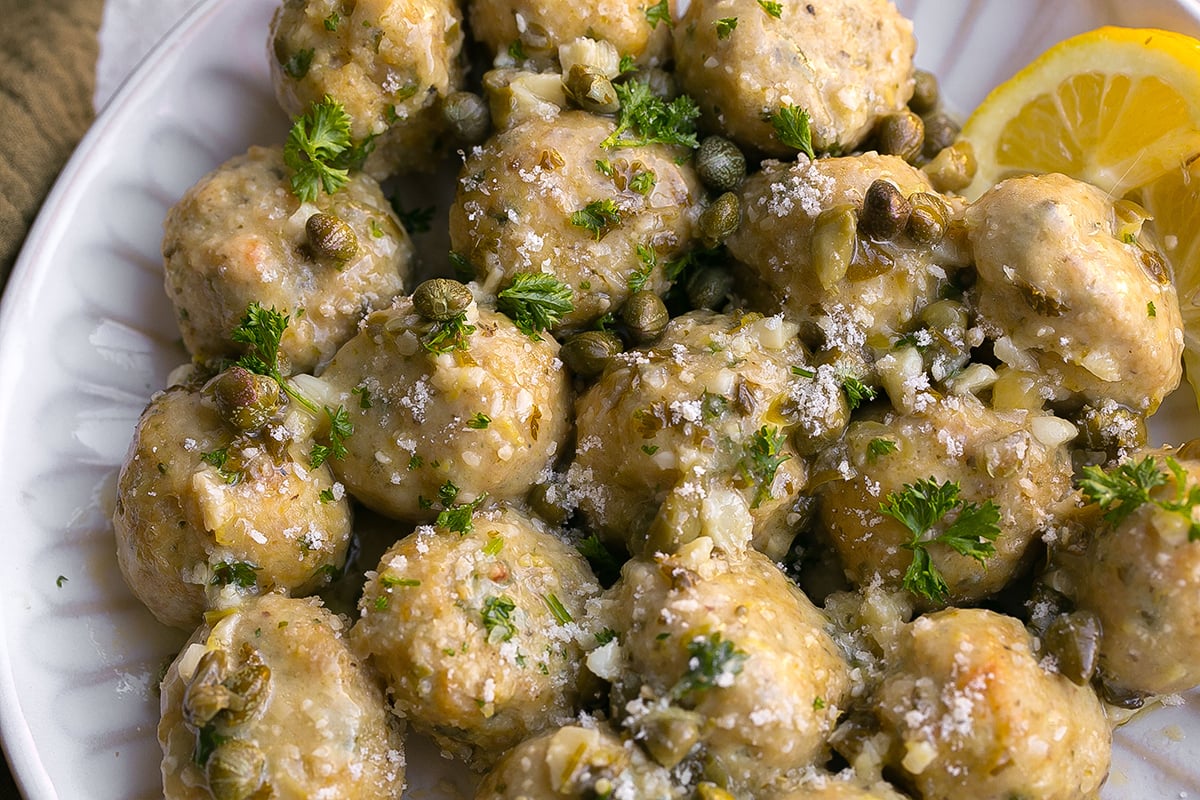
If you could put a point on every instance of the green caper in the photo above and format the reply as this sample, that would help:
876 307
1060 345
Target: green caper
946 350
236 770
669 734
901 134
720 220
645 316
467 116
1112 428
441 299
834 239
1189 450
547 500
250 687
587 353
244 399
205 695
331 238
929 218
885 211
1119 696
706 790
940 132
709 287
926 95
952 168
591 90
720 164
1074 642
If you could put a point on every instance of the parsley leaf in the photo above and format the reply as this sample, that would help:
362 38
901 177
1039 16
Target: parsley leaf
725 27
793 127
659 12
535 301
218 459
880 447
240 573
639 277
497 618
448 335
712 663
922 505
856 391
479 422
459 518
417 220
299 63
650 119
319 150
561 615
761 462
605 565
598 216
1127 487
340 429
627 64
772 9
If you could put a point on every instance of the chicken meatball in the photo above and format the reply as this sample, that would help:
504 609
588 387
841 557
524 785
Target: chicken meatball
1014 463
547 196
578 762
240 236
270 700
541 25
725 658
389 63
971 713
702 417
1141 577
847 62
827 787
1081 300
478 632
803 240
486 410
203 499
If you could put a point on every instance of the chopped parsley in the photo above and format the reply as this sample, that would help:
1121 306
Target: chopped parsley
417 220
239 573
645 118
856 391
598 217
391 581
725 27
299 63
340 429
497 618
923 505
218 459
605 635
649 449
626 65
319 150
804 372
880 447
516 50
326 496
605 565
1127 487
561 615
639 277
761 462
605 167
364 396
332 22
459 518
479 422
712 663
793 128
535 301
659 12
772 9
1151 311
449 335
643 182
60 580
495 544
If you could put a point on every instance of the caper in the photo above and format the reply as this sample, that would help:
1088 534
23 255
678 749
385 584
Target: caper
1189 450
587 353
250 686
706 790
236 770
467 116
947 351
331 238
901 134
953 168
834 240
1074 642
1119 696
591 90
547 500
205 696
940 132
925 96
244 399
1112 428
709 287
720 164
720 220
669 734
645 316
929 218
441 299
885 211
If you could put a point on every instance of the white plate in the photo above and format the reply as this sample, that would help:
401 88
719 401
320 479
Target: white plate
86 335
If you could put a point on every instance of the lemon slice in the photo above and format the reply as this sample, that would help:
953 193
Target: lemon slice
1174 203
1116 107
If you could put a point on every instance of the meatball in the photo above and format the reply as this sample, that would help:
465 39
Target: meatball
1094 312
1016 460
971 713
271 698
487 417
807 255
479 633
546 196
697 417
823 787
726 653
202 502
240 236
1141 578
389 63
577 762
540 25
847 63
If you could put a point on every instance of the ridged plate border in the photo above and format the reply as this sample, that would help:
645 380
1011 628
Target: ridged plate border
86 336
